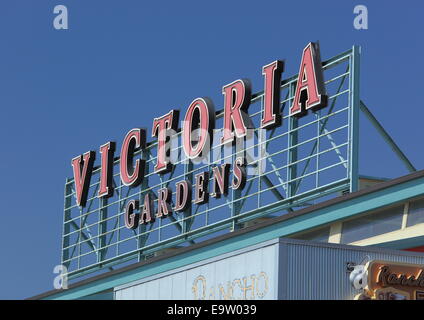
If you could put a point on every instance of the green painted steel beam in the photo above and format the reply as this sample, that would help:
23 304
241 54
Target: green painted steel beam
387 138
354 100
402 244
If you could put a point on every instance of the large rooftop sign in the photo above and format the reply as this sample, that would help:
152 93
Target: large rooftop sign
207 172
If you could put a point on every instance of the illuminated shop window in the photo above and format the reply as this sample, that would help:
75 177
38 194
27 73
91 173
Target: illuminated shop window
320 235
415 213
372 225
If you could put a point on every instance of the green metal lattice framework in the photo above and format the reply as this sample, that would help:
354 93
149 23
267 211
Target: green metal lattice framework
303 160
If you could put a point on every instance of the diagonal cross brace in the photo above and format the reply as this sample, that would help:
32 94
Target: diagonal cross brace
389 140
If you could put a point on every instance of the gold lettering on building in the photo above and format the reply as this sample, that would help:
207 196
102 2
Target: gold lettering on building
246 288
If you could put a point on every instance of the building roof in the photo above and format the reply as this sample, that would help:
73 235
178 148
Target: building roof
378 188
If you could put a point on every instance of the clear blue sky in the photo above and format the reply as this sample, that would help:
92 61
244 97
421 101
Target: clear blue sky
122 63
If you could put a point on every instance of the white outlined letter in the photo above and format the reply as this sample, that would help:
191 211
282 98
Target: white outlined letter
61 20
361 20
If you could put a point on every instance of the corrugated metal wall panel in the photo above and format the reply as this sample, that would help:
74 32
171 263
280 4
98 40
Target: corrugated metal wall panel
317 271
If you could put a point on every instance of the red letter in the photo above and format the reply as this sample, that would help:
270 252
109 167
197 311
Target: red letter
160 130
202 195
310 90
106 174
200 116
164 202
183 196
134 141
271 109
146 214
131 218
82 175
220 182
237 97
239 180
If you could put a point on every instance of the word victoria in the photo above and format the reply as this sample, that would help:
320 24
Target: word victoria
200 117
